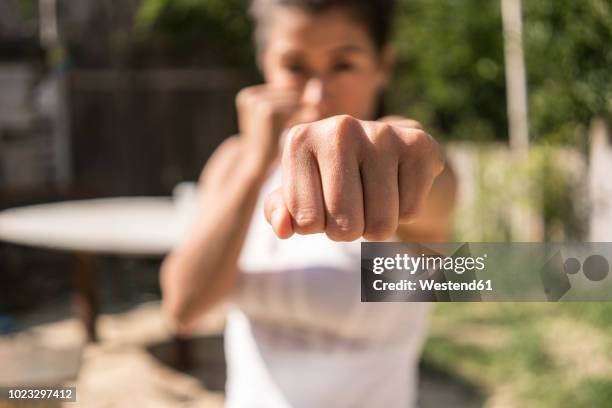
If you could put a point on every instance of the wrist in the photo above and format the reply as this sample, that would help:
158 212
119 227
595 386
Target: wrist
255 165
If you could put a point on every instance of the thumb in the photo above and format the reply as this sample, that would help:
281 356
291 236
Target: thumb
278 215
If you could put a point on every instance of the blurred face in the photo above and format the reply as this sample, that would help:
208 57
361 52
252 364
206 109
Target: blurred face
328 58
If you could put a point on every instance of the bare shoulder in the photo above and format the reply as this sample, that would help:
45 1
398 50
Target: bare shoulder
221 160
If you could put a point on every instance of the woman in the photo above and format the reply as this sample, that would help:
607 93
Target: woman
288 200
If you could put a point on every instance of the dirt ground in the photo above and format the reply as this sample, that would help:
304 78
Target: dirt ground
135 363
131 365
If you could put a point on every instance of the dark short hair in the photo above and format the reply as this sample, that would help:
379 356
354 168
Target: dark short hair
376 15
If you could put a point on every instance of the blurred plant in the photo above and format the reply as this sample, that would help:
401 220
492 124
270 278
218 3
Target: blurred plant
560 196
28 9
569 59
450 72
546 190
451 68
220 26
525 354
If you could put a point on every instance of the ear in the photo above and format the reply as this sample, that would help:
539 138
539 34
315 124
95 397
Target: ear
387 64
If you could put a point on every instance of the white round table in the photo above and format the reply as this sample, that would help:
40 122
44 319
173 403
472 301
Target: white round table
135 226
118 226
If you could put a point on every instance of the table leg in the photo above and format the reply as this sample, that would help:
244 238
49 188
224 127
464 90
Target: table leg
182 350
85 298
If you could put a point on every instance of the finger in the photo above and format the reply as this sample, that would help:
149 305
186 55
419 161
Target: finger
281 108
380 196
282 98
302 190
282 95
415 181
342 190
421 160
280 90
277 214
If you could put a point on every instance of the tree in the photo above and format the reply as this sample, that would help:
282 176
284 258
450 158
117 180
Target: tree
450 72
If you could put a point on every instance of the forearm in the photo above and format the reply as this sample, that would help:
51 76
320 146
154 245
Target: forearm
203 270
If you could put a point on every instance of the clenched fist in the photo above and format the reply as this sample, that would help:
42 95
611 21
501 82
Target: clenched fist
350 178
263 112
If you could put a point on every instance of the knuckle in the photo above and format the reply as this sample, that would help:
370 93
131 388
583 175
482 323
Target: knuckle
344 129
419 146
298 137
344 120
429 151
343 123
266 109
343 227
415 124
411 124
421 140
242 97
384 135
308 220
385 129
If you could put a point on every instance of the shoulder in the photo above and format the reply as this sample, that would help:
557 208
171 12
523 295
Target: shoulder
222 158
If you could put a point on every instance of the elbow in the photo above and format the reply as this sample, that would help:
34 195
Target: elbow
175 302
178 318
186 295
177 314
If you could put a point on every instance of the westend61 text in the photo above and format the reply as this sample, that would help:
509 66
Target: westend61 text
431 284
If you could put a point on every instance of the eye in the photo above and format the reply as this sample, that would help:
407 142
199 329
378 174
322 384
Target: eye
297 69
343 66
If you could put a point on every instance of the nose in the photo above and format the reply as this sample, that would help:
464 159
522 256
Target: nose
314 93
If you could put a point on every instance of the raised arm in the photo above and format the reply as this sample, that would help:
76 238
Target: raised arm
203 269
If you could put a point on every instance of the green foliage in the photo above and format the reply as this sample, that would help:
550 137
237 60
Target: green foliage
558 193
219 26
525 354
568 48
451 67
450 72
546 188
28 9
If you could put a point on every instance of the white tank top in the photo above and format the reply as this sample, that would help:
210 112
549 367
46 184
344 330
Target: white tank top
298 336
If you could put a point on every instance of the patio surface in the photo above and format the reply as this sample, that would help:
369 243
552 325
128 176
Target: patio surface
131 365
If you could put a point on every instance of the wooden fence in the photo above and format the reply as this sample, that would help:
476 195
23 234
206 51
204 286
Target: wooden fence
552 193
142 132
600 182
